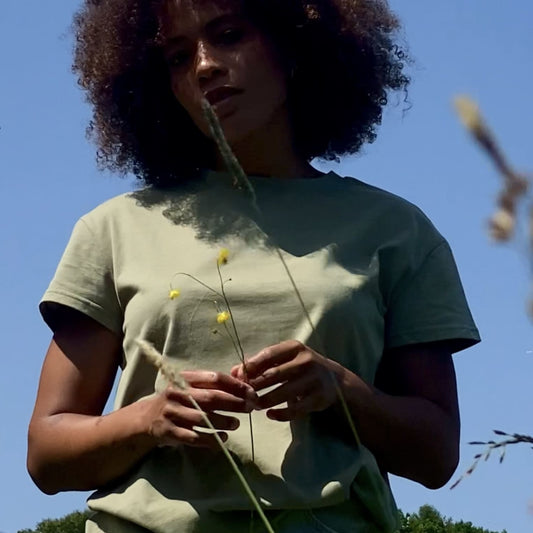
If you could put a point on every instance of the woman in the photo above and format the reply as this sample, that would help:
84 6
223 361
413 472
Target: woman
289 81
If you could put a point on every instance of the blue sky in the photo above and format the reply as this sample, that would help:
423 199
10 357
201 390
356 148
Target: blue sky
48 179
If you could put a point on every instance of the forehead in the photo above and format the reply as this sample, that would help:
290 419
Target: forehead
179 17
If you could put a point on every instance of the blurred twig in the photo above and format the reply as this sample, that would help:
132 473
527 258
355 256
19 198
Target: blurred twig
502 224
491 445
515 185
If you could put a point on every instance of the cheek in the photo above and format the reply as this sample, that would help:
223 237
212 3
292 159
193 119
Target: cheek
271 77
271 89
279 85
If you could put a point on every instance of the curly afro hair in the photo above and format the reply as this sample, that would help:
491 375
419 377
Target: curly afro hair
344 61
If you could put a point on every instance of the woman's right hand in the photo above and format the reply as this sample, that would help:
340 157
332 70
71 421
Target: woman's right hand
73 446
171 418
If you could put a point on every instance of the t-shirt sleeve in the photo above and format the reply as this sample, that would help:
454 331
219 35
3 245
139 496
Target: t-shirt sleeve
84 280
430 305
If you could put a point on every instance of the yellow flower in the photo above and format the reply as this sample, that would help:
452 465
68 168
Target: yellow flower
223 256
223 317
173 293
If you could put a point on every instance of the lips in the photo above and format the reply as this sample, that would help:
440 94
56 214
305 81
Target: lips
221 93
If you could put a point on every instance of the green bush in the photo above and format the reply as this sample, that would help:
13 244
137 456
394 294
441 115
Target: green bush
427 520
71 523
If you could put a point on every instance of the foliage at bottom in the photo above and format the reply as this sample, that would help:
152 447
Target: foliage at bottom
426 520
429 520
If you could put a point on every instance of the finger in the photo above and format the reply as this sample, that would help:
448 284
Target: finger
189 417
297 408
214 400
190 437
288 392
240 372
289 371
203 379
218 421
269 357
288 414
208 440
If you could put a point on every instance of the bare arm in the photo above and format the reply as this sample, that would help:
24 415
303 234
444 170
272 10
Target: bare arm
71 446
411 423
410 419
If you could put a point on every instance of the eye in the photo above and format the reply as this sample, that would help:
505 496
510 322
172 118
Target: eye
230 36
178 58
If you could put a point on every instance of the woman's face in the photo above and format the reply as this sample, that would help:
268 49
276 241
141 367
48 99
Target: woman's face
214 52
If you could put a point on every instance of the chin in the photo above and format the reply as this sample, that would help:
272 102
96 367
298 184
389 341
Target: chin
236 133
240 125
239 128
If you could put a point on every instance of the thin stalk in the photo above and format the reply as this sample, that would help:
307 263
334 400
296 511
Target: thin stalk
226 301
198 281
239 176
235 339
230 336
296 290
154 357
338 390
241 179
241 351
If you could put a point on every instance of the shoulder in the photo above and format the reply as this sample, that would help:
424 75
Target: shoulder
361 192
133 208
113 208
383 212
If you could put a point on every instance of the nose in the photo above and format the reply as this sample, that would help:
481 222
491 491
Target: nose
208 63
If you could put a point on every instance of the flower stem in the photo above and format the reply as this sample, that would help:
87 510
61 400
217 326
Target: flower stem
241 178
234 326
240 352
198 281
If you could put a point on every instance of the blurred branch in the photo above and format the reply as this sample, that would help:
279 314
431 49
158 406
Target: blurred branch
491 445
502 224
515 185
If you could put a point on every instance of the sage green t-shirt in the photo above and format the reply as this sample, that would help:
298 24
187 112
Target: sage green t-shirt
373 273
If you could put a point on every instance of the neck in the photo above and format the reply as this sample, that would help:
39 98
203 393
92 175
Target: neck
270 152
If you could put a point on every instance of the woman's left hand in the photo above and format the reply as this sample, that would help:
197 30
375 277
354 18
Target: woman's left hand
306 379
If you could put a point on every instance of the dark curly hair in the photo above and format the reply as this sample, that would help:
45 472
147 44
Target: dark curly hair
343 57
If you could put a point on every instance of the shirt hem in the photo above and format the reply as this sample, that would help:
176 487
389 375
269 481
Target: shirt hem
82 305
460 338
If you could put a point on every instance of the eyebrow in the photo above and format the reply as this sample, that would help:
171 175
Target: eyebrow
209 27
